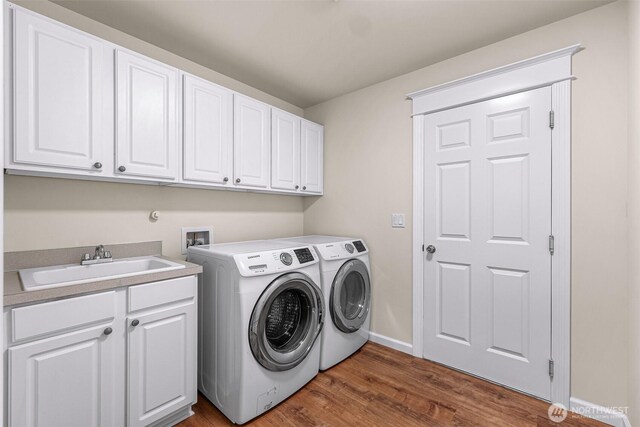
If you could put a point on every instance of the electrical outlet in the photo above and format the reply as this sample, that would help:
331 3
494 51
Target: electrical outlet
397 220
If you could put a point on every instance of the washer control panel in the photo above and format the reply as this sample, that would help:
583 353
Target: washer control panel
270 262
341 250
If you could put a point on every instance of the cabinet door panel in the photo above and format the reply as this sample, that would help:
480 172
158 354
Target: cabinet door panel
251 141
146 117
312 161
58 94
64 381
208 131
162 368
285 150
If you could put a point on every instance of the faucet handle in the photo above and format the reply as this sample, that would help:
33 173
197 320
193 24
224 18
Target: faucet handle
107 254
86 257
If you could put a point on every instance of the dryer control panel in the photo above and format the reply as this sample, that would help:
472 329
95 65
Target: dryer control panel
278 261
341 250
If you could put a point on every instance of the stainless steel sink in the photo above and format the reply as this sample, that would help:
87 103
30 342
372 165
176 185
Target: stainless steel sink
64 275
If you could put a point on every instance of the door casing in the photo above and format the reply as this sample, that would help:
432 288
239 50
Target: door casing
551 69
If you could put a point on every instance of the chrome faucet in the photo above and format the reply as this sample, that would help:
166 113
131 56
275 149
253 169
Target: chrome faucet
100 256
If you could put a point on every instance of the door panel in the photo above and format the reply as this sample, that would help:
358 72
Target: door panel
58 95
312 157
162 372
208 131
146 117
80 363
487 288
252 142
285 150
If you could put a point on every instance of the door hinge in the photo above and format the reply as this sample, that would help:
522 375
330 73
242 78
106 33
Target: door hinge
552 119
552 244
551 368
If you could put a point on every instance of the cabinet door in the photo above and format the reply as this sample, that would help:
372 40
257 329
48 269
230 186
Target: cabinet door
58 95
251 142
162 368
64 381
311 160
146 117
208 131
285 150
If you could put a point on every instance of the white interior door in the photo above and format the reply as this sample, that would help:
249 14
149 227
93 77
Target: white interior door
487 286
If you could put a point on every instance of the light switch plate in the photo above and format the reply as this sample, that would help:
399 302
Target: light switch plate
397 220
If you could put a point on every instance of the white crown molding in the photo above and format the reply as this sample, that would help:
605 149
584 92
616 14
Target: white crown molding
532 73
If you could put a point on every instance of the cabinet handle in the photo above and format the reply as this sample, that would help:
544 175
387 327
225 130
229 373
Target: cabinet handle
107 331
297 186
238 180
226 179
304 188
122 169
97 165
135 322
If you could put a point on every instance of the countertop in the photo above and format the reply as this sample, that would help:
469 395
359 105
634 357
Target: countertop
14 294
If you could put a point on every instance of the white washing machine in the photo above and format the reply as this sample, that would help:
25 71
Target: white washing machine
346 285
260 314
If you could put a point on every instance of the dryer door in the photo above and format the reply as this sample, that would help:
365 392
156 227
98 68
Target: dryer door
286 321
350 296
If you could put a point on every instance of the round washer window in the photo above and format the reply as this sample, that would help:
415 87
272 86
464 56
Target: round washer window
283 323
352 295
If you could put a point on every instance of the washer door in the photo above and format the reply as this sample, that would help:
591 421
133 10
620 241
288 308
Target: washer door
286 321
350 296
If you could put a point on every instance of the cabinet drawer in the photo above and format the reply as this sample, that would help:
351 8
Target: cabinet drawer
159 293
50 317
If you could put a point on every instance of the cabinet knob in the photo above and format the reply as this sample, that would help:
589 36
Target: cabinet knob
304 187
97 165
226 179
297 186
122 169
238 180
107 331
135 322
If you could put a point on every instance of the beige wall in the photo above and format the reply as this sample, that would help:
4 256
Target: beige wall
368 162
47 213
634 211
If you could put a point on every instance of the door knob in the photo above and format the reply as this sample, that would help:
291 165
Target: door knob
122 169
107 331
97 165
135 322
431 249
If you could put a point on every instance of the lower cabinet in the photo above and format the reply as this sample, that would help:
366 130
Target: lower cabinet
124 357
162 363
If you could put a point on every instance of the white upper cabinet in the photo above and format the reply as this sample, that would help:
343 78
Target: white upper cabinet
252 137
311 157
285 150
146 117
208 131
58 88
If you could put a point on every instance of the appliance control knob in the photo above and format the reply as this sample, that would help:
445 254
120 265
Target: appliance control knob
349 247
286 258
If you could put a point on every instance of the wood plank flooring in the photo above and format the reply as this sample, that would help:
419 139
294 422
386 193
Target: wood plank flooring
379 386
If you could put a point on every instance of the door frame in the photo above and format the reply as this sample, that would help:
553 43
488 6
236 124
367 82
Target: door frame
551 69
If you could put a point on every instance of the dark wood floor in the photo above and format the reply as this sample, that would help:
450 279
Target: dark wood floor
378 386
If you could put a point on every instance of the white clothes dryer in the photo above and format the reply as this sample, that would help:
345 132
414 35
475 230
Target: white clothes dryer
346 285
260 314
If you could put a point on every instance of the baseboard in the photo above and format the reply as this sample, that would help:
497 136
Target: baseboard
391 343
603 414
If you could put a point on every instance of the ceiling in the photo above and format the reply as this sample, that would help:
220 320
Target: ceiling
309 51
